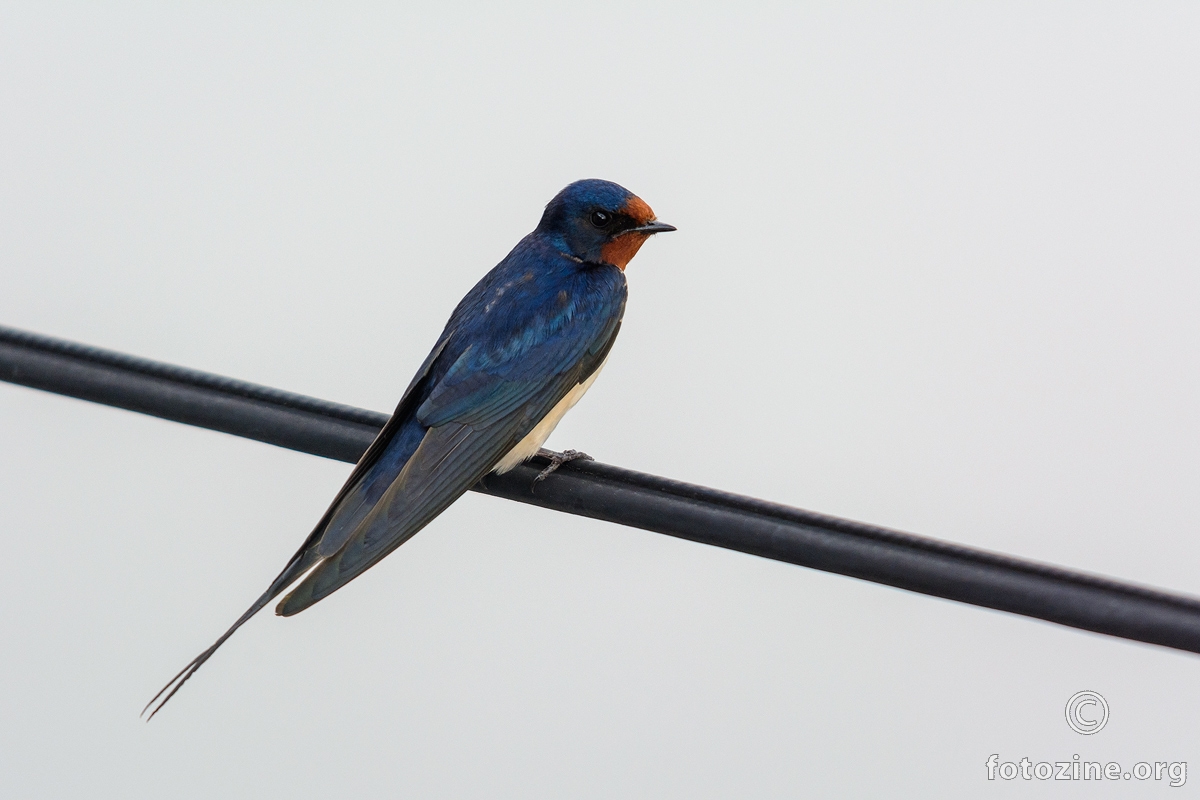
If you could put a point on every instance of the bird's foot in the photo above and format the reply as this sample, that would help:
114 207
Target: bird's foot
556 461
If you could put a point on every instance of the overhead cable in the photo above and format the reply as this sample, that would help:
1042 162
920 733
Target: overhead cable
601 491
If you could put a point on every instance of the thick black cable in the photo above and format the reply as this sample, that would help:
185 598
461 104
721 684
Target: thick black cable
600 491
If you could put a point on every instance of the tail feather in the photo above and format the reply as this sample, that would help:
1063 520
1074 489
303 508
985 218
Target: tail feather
301 563
373 473
176 683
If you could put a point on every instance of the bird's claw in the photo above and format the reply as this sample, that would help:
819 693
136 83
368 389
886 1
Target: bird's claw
557 460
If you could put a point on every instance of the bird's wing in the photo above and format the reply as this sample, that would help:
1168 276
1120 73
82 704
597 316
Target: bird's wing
483 406
352 494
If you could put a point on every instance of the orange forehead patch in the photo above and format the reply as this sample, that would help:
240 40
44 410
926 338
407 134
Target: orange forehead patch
636 208
620 250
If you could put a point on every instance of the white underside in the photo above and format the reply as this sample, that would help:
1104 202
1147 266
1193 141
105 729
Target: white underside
527 448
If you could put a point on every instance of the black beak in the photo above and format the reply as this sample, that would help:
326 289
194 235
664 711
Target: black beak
653 227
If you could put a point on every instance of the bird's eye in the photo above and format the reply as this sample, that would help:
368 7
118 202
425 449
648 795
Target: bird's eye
601 218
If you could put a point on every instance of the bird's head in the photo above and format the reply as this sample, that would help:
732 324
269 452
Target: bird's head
599 222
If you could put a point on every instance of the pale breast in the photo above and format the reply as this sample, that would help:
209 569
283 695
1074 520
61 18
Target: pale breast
528 447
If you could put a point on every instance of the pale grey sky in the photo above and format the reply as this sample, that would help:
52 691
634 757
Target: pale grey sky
936 269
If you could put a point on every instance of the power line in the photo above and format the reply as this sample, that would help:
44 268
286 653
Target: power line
601 491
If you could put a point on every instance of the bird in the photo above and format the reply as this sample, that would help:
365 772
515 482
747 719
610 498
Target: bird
518 352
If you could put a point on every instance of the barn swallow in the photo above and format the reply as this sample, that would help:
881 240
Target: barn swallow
518 352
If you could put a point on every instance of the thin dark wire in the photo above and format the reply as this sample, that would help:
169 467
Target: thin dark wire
190 377
601 491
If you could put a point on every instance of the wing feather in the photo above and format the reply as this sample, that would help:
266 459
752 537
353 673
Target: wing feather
451 459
